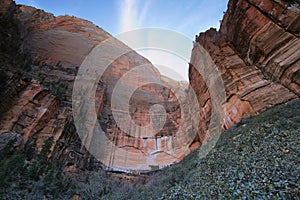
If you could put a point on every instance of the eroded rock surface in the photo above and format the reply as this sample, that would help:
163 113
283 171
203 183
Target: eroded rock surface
257 55
41 106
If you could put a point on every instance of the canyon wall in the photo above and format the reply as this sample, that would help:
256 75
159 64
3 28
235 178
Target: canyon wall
52 49
250 64
256 53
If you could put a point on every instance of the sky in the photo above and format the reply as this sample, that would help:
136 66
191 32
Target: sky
188 17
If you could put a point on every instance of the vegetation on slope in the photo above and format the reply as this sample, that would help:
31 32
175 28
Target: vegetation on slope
259 158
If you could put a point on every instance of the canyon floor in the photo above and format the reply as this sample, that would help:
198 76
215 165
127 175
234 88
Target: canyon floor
257 158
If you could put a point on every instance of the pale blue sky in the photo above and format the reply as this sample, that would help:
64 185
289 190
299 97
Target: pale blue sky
188 17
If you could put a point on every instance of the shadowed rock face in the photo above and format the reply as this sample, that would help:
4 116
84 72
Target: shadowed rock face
255 52
41 97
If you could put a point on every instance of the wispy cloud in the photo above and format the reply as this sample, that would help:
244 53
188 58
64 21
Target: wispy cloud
144 12
132 14
136 14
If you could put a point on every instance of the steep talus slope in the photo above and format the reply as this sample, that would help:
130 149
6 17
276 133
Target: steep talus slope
255 159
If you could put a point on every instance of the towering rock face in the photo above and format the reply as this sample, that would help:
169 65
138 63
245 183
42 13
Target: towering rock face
256 59
62 40
266 34
55 47
257 55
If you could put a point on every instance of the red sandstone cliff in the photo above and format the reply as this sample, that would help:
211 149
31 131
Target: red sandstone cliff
257 55
55 48
255 52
